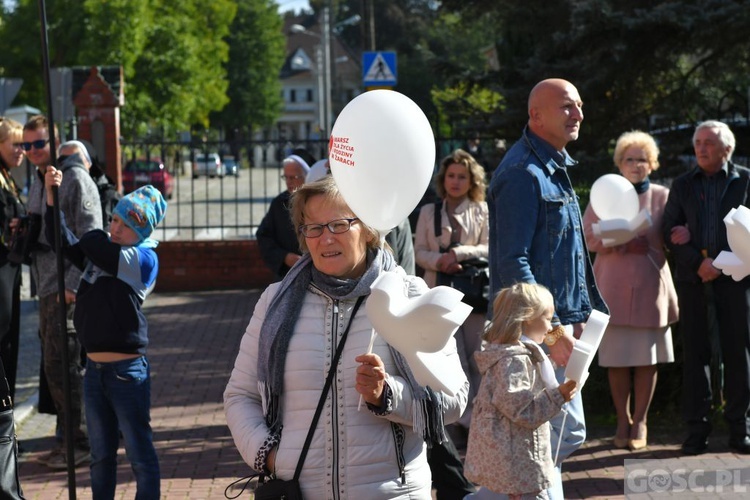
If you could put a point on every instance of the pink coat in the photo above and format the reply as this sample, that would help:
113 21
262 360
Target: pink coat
637 288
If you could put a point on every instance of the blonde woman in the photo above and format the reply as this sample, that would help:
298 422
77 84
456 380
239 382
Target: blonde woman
464 234
636 284
11 208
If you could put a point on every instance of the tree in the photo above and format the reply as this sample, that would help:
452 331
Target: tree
256 54
636 63
171 53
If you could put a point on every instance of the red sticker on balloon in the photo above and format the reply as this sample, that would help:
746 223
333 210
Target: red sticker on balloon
341 151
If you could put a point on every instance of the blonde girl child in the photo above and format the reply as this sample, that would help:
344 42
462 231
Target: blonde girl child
509 443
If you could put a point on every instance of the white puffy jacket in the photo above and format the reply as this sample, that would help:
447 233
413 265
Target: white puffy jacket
353 453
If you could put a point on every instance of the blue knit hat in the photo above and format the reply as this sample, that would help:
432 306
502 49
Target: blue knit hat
142 210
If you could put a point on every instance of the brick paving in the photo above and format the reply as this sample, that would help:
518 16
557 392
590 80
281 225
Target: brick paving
194 340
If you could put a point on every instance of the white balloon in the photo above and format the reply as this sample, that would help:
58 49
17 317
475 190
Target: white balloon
382 155
614 197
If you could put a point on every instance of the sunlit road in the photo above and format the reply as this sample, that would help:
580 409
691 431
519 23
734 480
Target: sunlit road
220 208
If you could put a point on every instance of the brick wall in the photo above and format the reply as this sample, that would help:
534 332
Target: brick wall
210 265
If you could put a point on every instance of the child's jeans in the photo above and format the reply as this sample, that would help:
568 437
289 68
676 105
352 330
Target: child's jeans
118 398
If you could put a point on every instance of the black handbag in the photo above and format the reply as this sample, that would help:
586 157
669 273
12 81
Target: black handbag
270 488
10 484
473 281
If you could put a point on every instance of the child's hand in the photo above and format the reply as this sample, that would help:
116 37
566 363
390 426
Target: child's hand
568 390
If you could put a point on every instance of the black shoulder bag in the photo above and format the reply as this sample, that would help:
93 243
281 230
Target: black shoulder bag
473 281
10 484
278 489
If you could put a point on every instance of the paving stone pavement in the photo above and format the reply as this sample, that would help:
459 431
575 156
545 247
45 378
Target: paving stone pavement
194 340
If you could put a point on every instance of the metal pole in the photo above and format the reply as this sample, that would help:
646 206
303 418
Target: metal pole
60 265
327 68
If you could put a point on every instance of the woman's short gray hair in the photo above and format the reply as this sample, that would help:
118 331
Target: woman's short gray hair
327 188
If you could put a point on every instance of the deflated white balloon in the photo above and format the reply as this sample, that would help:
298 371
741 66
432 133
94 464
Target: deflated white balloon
614 197
420 328
382 155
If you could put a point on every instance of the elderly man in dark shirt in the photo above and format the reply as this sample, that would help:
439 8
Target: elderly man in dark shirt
695 233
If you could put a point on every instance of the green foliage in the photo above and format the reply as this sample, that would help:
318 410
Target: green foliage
638 64
256 54
172 54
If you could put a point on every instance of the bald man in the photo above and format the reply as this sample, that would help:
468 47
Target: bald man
536 235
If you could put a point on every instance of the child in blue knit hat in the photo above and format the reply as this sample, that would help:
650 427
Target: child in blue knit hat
119 269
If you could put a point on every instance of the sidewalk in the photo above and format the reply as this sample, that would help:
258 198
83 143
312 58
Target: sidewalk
194 340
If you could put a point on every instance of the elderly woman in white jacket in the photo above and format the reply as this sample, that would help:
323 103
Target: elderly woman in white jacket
378 451
464 234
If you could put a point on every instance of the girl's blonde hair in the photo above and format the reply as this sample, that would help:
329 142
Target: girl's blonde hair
512 307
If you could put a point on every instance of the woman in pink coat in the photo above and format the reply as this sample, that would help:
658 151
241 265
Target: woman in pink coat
636 284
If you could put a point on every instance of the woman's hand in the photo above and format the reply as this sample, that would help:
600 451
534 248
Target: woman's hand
680 235
448 263
568 390
370 378
637 245
52 178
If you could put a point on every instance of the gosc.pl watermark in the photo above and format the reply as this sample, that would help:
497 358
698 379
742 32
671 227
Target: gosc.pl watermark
650 478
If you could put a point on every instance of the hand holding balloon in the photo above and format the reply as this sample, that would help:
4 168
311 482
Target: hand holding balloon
370 378
637 245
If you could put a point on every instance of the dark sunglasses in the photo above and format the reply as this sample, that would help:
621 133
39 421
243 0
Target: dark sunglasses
36 144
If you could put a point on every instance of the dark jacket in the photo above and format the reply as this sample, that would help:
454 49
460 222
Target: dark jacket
276 235
116 280
684 207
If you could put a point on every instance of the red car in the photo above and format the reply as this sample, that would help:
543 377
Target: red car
140 172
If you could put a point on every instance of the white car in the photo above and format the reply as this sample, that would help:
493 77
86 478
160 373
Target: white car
207 164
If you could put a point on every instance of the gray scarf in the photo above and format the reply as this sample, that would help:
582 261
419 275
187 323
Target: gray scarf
278 328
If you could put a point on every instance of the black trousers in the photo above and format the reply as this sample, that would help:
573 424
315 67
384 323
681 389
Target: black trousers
448 472
730 300
10 321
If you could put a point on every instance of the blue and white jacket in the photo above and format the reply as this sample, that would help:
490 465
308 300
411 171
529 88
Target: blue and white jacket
115 281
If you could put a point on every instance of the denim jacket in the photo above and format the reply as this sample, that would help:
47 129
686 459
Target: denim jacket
536 230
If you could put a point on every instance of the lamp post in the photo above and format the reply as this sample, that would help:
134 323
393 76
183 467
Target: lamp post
323 65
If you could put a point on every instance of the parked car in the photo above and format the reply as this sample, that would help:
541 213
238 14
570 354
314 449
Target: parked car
152 171
230 166
207 164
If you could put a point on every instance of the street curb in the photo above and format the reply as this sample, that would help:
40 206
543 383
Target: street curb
25 409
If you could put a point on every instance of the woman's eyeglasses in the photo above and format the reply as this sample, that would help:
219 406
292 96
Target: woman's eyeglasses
336 226
35 144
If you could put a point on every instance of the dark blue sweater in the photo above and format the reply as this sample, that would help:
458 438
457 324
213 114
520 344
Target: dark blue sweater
115 281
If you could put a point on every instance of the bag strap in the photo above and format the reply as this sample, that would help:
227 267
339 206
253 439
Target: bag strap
326 387
436 218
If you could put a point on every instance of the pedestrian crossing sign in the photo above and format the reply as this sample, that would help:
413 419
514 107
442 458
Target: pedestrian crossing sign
379 69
